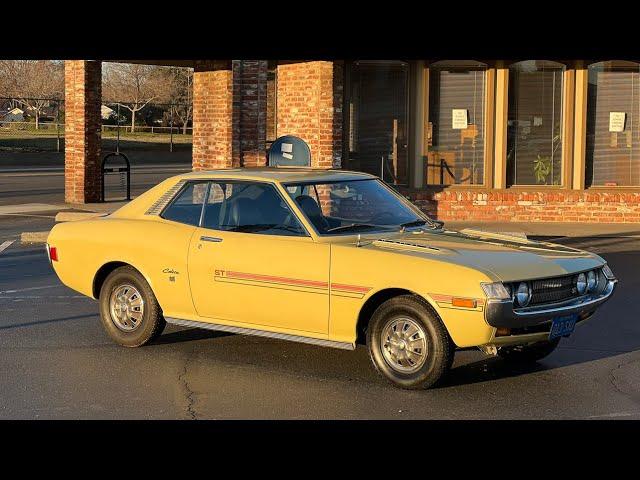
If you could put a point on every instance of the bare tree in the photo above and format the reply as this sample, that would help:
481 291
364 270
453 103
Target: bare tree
133 86
8 82
34 83
181 95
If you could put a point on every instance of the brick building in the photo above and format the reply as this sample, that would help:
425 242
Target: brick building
529 140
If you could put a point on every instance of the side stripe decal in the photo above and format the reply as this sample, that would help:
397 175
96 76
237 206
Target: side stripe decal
287 283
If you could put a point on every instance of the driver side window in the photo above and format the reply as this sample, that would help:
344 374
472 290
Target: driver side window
250 208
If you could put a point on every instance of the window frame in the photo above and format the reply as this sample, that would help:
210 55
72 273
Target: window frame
209 181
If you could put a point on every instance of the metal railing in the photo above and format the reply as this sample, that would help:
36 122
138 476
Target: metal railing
28 124
446 169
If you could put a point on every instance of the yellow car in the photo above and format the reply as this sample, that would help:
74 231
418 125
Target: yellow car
326 257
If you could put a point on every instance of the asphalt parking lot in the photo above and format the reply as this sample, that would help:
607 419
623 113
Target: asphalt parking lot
57 363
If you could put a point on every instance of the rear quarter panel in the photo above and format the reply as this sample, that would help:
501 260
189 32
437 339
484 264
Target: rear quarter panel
149 245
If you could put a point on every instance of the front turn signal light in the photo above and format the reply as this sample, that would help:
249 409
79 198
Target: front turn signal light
464 302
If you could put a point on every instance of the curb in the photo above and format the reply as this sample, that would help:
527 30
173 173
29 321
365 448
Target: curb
41 237
34 237
75 216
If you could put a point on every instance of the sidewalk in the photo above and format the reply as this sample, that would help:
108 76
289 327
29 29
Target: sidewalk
554 229
33 208
59 170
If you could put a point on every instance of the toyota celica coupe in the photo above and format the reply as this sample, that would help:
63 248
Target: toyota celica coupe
326 257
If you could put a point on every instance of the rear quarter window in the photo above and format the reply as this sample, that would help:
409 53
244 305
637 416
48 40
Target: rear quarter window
186 207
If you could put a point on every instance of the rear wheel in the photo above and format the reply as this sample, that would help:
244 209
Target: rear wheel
408 343
528 353
129 310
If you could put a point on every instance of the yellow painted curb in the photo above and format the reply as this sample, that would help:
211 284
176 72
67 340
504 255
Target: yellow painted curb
75 216
34 237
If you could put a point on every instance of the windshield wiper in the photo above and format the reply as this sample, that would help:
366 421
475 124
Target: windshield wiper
414 223
355 226
434 224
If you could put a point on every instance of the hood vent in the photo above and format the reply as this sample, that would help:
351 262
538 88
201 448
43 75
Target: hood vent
407 245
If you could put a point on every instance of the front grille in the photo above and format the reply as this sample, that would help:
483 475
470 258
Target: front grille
552 290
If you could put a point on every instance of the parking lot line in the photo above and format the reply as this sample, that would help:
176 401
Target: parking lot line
28 289
6 245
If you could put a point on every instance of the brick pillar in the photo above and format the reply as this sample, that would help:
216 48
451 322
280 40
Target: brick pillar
229 114
83 94
310 107
212 115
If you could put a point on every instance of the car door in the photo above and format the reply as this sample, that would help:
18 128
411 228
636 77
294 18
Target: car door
244 273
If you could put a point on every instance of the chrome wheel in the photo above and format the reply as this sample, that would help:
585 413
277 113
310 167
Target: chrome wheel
404 344
127 307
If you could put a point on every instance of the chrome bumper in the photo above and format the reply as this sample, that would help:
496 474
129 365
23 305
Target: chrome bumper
500 313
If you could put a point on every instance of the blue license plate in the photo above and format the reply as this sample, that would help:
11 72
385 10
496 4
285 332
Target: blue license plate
562 326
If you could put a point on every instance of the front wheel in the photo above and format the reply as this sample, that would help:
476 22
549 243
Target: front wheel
522 354
408 343
129 310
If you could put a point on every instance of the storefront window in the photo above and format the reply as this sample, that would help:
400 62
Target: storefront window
613 137
534 134
377 103
456 129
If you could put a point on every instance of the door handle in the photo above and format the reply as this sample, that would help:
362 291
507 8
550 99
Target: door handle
211 239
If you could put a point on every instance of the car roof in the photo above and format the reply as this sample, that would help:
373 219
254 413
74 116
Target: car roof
280 174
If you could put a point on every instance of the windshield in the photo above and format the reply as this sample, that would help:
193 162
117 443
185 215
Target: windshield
353 206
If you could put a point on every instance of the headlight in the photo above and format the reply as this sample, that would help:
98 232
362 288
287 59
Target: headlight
523 294
591 280
581 283
495 290
608 273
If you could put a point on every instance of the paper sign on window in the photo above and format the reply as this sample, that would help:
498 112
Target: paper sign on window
459 118
616 121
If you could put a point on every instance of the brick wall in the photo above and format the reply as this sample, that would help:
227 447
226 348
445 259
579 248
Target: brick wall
529 206
83 90
309 96
229 114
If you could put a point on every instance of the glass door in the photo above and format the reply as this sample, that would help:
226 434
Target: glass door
378 126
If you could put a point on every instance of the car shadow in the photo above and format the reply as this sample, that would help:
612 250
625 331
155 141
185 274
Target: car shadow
44 322
487 369
188 335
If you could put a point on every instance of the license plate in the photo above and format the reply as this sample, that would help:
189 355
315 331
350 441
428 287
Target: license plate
562 326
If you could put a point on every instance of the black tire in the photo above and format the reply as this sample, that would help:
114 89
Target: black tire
439 347
523 354
152 322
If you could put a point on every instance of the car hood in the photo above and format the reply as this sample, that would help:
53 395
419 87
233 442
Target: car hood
507 257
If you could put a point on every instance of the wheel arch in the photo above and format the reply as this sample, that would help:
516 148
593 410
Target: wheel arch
377 299
106 269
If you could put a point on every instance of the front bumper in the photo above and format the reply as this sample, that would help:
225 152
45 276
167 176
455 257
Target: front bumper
500 313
